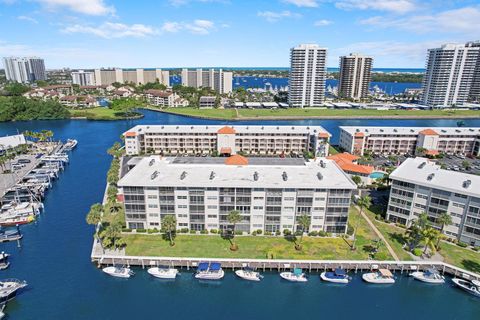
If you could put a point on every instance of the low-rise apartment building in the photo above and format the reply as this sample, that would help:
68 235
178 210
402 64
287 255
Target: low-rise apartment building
270 194
419 185
411 140
227 140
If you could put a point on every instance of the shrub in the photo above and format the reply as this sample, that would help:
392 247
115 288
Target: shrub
313 233
126 230
417 252
183 230
298 233
350 230
322 233
214 231
238 232
141 230
268 233
277 233
270 254
286 232
254 233
193 231
204 231
154 230
462 244
476 248
259 231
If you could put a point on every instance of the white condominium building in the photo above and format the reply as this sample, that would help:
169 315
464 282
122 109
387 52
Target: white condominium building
137 76
411 140
419 185
217 80
451 73
24 70
227 140
306 82
83 78
355 76
270 194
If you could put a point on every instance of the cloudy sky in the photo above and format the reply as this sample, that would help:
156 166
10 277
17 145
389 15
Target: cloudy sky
248 33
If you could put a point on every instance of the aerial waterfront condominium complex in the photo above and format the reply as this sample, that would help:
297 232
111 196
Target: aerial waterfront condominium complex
306 81
216 79
411 140
24 70
227 140
270 194
83 78
419 185
452 75
355 76
136 76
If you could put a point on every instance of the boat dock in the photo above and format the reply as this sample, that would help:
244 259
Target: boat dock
282 265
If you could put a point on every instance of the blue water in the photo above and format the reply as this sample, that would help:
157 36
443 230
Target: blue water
376 175
329 69
63 284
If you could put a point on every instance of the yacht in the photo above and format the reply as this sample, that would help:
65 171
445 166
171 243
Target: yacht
382 276
336 276
70 145
4 264
209 271
429 276
249 274
9 288
472 287
118 271
10 235
163 272
296 275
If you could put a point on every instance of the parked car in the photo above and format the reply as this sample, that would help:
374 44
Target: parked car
24 160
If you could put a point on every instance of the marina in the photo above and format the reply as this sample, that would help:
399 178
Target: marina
55 256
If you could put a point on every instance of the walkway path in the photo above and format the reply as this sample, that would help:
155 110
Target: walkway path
379 234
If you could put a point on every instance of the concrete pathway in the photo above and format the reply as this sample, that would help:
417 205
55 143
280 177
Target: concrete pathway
379 234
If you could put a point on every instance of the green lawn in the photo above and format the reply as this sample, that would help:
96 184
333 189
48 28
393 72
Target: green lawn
259 247
230 114
460 257
99 113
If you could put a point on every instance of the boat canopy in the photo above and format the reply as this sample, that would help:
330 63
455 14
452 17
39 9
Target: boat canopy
431 272
476 282
297 271
385 273
340 272
202 266
215 266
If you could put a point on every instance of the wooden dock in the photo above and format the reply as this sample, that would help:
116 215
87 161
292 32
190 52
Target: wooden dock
281 265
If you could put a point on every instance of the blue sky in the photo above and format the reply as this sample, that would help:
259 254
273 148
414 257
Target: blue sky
248 33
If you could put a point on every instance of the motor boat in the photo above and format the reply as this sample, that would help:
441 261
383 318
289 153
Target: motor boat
249 274
472 287
209 271
9 288
382 276
163 272
429 276
336 276
70 145
13 219
118 271
4 264
296 275
10 235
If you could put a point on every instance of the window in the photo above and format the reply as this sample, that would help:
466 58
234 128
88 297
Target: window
320 199
182 197
289 198
182 206
152 196
212 198
258 208
212 207
153 206
212 216
258 198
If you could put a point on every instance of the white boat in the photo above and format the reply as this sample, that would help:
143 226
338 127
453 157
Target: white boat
472 287
163 272
429 276
249 274
296 276
336 276
118 271
209 271
9 288
70 145
382 276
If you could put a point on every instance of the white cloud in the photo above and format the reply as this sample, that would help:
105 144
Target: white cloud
109 30
171 27
199 26
395 6
177 3
463 21
303 3
322 23
29 19
271 16
89 7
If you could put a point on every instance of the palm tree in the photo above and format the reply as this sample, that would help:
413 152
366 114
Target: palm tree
233 217
362 203
303 222
112 236
423 220
430 236
169 226
445 220
94 216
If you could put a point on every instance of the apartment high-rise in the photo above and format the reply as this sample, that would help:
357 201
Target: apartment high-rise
306 82
83 78
24 69
218 80
137 76
355 76
451 75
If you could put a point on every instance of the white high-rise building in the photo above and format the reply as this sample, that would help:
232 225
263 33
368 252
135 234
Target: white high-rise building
218 80
355 76
306 82
450 74
24 69
136 76
83 78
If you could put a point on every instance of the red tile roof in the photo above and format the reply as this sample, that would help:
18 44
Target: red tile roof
236 160
158 93
432 152
226 150
359 134
428 132
324 135
226 130
130 134
346 162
